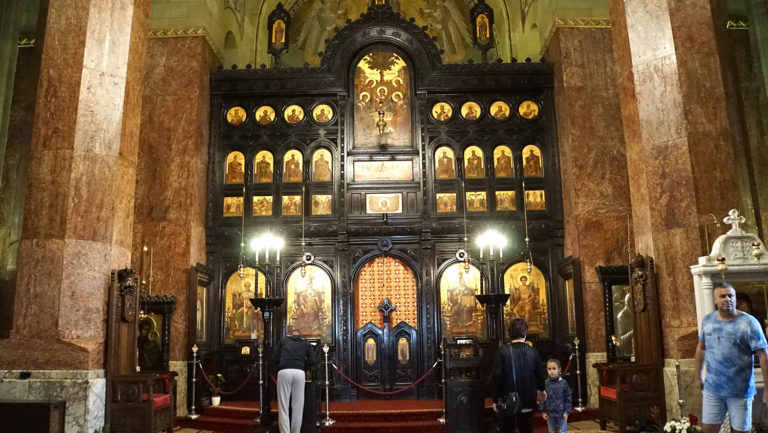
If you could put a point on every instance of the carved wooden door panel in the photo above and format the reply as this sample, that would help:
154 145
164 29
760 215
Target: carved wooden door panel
386 358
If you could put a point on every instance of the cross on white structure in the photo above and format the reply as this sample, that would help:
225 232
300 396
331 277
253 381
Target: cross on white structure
734 220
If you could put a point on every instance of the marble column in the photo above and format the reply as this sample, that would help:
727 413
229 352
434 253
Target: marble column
78 211
679 144
593 164
171 178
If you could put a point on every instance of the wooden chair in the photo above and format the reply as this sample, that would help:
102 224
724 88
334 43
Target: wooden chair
631 393
136 402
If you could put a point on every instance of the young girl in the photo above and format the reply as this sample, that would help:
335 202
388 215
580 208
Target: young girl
557 406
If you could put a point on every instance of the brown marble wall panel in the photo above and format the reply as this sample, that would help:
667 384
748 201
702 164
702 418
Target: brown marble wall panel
670 185
171 178
640 16
593 162
125 189
99 113
641 217
45 208
91 204
107 43
80 317
37 301
659 102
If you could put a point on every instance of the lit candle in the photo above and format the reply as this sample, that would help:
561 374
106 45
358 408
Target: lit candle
278 255
501 255
257 255
481 251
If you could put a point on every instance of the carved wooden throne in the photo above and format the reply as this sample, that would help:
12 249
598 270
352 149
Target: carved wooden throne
631 391
136 402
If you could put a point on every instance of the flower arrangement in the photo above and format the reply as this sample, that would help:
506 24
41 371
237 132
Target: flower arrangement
217 380
685 425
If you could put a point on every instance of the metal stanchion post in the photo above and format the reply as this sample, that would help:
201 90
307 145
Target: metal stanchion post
580 407
257 420
328 421
441 420
192 414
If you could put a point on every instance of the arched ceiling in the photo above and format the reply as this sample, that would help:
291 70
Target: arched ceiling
522 27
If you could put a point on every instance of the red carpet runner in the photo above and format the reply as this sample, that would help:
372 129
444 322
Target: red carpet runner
362 416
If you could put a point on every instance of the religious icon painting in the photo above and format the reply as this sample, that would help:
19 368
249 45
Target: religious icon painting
293 164
263 163
442 112
384 203
321 165
532 161
278 34
291 205
382 106
308 304
241 320
370 351
403 351
473 163
236 116
444 168
505 200
528 110
322 113
262 205
293 114
234 168
321 204
527 298
201 334
499 110
476 201
445 202
502 158
482 29
265 115
471 110
534 200
460 313
233 206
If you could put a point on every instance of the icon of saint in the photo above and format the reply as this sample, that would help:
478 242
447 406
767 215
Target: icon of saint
474 165
292 170
263 170
265 118
235 170
503 165
532 166
322 169
322 116
445 169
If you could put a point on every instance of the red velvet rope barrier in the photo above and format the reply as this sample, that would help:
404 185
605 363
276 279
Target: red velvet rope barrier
205 376
349 379
567 366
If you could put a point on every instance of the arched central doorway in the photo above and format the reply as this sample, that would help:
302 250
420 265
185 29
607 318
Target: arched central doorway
386 318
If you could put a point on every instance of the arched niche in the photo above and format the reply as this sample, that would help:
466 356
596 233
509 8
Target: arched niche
308 303
474 167
263 167
234 168
527 298
445 167
241 320
460 313
293 162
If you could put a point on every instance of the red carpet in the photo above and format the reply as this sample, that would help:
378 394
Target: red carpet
362 416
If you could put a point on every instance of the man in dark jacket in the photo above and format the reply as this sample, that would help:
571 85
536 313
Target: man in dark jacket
518 367
293 356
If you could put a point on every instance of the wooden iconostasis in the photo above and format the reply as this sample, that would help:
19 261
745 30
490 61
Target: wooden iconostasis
382 158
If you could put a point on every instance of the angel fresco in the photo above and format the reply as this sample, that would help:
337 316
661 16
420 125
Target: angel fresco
447 21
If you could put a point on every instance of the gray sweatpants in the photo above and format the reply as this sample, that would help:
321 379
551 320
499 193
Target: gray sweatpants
290 392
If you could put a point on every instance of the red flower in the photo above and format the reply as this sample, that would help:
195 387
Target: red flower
693 419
